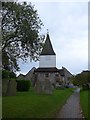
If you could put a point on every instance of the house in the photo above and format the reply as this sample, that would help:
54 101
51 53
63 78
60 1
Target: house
85 72
21 77
28 76
65 75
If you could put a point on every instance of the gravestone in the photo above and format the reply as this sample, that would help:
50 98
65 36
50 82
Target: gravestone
4 86
43 86
38 87
48 86
9 87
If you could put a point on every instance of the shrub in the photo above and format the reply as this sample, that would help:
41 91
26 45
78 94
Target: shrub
23 85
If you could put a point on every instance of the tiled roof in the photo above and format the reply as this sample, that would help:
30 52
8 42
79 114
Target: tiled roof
53 69
47 49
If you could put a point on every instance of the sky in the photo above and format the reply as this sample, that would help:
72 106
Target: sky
67 23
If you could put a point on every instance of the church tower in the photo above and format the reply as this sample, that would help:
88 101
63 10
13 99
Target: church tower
45 75
48 56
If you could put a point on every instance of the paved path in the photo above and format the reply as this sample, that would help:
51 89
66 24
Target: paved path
72 107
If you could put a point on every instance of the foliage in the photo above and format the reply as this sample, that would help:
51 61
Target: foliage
20 34
5 74
23 85
86 87
12 75
8 74
30 105
82 79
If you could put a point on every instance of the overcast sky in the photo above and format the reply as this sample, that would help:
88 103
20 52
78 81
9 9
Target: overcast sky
67 23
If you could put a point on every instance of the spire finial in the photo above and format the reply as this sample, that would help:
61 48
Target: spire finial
47 31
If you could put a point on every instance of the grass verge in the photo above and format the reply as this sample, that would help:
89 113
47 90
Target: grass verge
30 105
0 107
84 102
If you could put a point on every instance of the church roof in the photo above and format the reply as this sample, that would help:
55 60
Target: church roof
47 49
53 69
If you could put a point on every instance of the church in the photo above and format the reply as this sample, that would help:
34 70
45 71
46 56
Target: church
47 75
47 70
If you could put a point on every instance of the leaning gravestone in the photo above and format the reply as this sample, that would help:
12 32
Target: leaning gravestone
9 87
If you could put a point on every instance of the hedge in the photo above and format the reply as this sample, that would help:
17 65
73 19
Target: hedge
23 85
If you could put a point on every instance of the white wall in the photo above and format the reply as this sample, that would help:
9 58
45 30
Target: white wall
47 61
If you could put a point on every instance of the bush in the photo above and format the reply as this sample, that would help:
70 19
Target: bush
23 85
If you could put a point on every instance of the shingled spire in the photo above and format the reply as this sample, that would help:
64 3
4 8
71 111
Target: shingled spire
48 49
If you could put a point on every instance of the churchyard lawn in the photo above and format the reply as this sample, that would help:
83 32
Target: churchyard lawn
84 97
31 105
0 107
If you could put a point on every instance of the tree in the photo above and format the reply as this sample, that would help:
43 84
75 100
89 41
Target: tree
81 78
8 74
20 34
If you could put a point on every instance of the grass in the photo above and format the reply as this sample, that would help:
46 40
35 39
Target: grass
30 105
84 102
0 106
